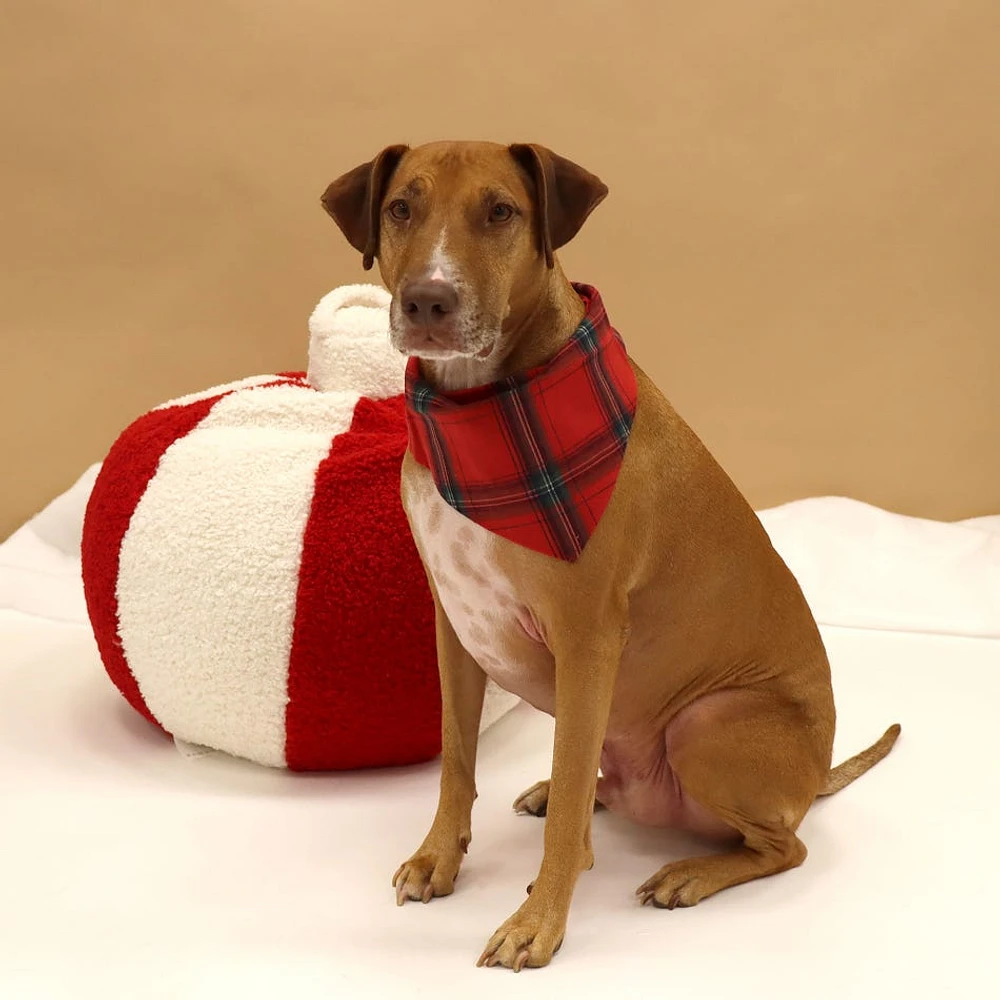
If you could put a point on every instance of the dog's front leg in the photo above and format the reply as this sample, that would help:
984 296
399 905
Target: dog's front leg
586 668
433 868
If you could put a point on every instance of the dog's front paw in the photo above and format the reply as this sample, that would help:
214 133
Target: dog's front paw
430 872
529 938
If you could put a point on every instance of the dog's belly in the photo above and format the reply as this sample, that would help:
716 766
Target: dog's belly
481 602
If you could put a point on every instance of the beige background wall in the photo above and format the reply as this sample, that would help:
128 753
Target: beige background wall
801 244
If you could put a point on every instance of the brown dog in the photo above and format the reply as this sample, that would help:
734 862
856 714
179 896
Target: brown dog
669 640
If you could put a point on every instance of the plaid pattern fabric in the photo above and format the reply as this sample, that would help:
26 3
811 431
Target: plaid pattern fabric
534 457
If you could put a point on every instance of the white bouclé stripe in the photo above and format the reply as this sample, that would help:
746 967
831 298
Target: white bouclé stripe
288 408
194 397
209 567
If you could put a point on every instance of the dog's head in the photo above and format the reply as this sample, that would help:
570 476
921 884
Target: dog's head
464 234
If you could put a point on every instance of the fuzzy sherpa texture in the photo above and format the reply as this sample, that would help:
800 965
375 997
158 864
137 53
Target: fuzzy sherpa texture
349 343
249 572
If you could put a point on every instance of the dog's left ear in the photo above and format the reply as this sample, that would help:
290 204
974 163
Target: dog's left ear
565 192
355 201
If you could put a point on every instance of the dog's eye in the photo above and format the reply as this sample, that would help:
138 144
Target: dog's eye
501 212
399 210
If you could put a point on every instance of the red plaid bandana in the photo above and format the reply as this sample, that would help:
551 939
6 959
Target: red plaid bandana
534 457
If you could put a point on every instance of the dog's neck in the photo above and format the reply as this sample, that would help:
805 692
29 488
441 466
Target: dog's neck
530 337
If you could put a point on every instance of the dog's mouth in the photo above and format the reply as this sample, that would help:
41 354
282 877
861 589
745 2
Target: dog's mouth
441 342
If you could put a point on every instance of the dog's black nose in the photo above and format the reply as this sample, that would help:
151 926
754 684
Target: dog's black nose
428 302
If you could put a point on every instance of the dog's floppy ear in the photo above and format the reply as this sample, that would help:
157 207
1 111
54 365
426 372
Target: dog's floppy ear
355 201
566 194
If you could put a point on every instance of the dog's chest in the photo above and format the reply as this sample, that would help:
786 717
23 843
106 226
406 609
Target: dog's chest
480 600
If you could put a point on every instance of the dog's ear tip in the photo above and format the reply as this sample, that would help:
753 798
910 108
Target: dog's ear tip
522 151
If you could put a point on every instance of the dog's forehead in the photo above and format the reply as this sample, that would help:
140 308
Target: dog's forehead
458 166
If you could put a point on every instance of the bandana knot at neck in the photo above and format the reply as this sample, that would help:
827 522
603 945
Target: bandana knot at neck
534 457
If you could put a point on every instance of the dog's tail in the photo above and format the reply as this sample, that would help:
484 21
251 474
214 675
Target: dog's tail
843 774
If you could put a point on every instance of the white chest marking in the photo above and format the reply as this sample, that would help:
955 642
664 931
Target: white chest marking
479 599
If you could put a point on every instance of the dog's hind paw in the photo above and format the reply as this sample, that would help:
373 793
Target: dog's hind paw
534 801
674 885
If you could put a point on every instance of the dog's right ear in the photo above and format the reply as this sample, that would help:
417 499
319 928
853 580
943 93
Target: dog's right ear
355 201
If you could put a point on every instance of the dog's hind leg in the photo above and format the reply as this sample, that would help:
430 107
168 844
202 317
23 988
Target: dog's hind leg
755 762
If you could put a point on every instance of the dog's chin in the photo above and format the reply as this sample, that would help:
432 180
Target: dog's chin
442 347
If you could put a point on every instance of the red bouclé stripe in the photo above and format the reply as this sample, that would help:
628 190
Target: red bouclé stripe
361 578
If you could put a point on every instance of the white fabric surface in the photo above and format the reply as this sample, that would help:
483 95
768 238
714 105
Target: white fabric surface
131 872
40 562
863 567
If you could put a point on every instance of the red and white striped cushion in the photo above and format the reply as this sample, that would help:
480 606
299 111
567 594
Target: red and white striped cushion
248 569
252 582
